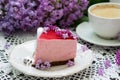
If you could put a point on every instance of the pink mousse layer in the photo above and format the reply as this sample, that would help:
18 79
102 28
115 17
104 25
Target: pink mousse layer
55 49
51 47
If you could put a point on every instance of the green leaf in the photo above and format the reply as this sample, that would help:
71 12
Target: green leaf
84 18
91 2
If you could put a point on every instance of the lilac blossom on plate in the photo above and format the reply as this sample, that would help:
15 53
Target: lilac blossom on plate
70 63
84 48
42 65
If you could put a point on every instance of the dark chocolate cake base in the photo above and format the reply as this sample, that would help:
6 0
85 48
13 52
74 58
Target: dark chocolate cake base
57 63
60 62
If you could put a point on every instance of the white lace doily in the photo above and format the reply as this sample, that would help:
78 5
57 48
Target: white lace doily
7 72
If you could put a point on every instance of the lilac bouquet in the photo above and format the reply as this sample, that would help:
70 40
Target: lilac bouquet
28 15
118 57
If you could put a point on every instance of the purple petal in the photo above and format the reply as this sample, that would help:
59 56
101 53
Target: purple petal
100 71
64 36
47 64
45 29
7 45
84 48
70 63
42 67
37 66
107 63
118 58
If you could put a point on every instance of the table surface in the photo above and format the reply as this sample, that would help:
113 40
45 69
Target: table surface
7 72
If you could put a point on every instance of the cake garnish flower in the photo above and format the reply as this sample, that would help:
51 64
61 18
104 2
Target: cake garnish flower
42 65
70 63
63 33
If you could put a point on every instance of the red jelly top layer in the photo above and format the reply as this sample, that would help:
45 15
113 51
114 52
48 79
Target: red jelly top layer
51 35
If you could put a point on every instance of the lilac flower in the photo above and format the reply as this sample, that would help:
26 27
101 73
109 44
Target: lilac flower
84 4
37 66
42 65
47 64
118 58
63 33
53 28
75 36
28 15
84 48
58 32
107 63
57 14
100 71
45 29
72 16
49 8
64 36
7 45
70 63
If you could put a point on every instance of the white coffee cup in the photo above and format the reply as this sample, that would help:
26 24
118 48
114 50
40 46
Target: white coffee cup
105 27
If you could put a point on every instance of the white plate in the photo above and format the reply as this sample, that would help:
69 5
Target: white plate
82 61
85 31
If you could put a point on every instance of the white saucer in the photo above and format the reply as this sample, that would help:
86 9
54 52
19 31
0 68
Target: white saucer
82 61
85 31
